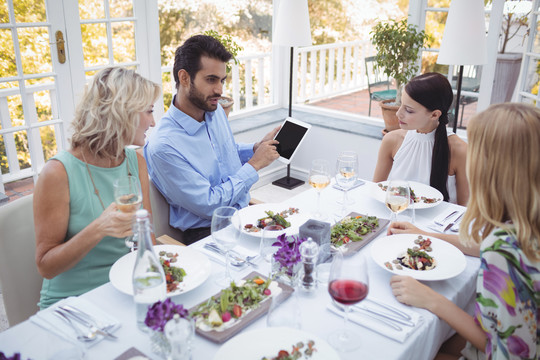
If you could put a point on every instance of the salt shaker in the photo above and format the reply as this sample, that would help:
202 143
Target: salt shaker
309 250
179 332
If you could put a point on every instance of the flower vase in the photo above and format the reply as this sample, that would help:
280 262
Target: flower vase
286 274
159 344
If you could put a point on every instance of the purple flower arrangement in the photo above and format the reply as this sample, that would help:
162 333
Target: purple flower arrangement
161 312
16 356
288 254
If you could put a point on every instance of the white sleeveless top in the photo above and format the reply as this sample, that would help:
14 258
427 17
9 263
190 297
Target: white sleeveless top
412 161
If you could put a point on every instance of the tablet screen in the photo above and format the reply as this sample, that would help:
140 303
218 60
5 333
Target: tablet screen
289 137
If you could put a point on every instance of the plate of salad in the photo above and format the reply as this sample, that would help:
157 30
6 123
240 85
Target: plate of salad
223 315
255 217
418 256
424 196
276 343
355 231
185 269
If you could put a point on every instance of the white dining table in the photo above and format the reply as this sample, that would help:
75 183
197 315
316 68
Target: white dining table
37 343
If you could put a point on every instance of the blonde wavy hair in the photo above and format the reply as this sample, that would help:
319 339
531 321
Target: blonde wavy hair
503 169
107 116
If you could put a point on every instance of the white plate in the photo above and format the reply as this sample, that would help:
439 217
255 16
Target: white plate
419 190
450 260
196 265
268 342
250 215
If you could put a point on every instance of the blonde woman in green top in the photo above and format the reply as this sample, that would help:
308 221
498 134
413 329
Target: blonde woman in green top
79 230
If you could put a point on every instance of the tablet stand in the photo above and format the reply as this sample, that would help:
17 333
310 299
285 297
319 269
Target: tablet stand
288 182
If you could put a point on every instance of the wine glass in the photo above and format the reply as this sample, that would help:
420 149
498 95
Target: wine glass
269 237
348 284
225 229
346 172
128 199
319 178
398 197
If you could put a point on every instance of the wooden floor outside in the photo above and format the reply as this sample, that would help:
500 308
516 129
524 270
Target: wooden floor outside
356 102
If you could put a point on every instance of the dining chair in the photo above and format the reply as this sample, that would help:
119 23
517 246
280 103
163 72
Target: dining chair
376 79
160 215
20 279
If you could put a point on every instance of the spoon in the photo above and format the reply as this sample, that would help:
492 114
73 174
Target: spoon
91 336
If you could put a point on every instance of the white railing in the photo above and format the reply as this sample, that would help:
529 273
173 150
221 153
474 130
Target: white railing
328 70
31 127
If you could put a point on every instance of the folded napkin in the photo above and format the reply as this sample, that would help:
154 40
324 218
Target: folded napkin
356 184
441 222
366 320
238 250
49 321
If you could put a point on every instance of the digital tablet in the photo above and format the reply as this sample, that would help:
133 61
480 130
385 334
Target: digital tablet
290 136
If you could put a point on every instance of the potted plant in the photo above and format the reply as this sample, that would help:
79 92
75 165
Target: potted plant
397 45
515 22
233 47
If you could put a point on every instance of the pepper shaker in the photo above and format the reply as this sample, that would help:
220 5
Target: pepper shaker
309 250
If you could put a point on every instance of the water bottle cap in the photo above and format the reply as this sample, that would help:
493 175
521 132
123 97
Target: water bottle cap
142 213
309 248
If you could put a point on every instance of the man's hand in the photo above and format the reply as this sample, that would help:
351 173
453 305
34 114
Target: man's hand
271 135
265 154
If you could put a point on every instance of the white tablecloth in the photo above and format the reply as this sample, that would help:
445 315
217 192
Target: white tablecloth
34 342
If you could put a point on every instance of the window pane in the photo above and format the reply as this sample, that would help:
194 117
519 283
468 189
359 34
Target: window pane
438 3
120 8
4 14
123 37
34 44
42 99
536 44
7 55
435 21
21 143
29 11
9 85
48 140
15 110
91 9
532 76
429 63
94 37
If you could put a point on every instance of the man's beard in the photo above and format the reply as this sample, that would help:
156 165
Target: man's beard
198 99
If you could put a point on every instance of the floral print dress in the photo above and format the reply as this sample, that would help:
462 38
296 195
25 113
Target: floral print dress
507 300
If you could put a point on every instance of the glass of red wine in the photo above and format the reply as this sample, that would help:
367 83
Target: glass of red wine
348 284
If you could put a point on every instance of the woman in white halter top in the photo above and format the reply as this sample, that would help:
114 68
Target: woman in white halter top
423 150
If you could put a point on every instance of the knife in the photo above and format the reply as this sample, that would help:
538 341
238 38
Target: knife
80 319
386 316
374 316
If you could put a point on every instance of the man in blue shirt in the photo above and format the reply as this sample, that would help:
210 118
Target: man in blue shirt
191 155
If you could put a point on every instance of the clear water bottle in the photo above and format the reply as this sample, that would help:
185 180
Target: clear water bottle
148 277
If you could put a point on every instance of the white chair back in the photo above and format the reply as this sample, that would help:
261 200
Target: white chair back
160 214
20 279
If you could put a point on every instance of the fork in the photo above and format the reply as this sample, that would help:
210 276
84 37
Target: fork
237 257
235 261
442 222
88 317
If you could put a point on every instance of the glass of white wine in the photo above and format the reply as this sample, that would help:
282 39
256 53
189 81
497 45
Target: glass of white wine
346 173
319 178
225 230
398 197
128 199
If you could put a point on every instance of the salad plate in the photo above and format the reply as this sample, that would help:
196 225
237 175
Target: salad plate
356 231
426 196
250 215
196 265
449 260
266 343
222 331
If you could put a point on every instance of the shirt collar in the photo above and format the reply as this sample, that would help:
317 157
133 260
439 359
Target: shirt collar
187 122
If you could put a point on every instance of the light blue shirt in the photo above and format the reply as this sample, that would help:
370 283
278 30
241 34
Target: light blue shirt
198 166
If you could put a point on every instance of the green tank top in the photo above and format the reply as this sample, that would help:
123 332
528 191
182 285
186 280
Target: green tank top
84 207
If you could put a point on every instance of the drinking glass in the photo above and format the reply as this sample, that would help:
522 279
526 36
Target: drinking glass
398 197
319 178
348 284
269 237
225 229
346 172
128 199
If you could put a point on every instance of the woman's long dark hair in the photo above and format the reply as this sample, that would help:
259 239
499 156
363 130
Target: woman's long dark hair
434 92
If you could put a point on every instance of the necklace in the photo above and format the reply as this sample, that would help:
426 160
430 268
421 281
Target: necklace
96 191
